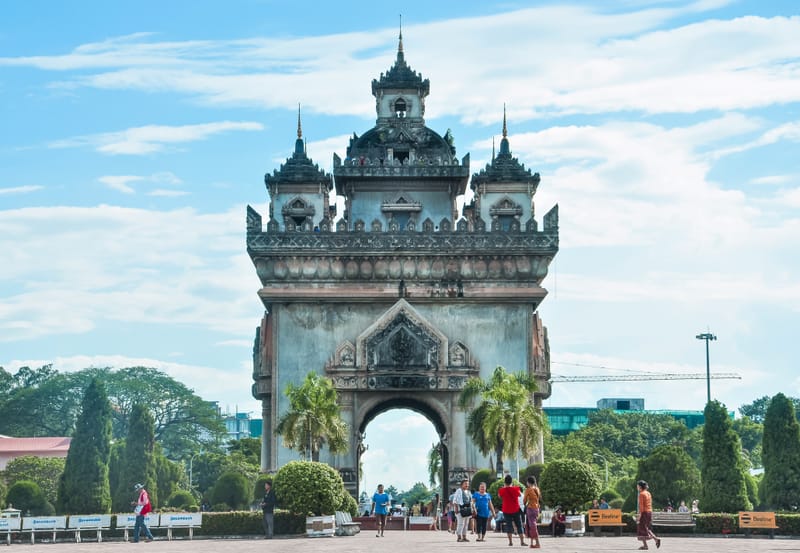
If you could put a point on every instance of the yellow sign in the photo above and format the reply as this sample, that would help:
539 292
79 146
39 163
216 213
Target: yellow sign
605 517
754 519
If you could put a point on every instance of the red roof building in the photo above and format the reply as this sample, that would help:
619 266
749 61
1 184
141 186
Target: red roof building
11 448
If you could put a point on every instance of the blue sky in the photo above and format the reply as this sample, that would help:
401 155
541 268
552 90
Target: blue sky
134 135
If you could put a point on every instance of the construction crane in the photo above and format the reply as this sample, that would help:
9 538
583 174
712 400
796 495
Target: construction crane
633 376
638 377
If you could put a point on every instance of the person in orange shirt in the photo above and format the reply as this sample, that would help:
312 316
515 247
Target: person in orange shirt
644 528
531 500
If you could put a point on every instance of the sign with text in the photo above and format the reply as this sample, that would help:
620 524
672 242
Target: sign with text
44 523
10 524
181 520
127 521
605 517
754 519
81 522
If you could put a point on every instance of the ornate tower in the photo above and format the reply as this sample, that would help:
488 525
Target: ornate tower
405 298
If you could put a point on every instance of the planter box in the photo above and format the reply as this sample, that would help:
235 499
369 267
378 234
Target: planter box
320 526
575 525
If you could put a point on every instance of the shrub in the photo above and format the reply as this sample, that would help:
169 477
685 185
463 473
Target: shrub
483 475
27 496
534 470
616 503
182 499
304 487
569 483
243 523
232 489
349 505
258 487
496 485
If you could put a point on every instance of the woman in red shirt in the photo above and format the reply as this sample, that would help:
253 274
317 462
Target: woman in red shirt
510 495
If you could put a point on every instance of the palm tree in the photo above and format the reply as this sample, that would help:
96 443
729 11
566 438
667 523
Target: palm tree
434 465
313 418
506 419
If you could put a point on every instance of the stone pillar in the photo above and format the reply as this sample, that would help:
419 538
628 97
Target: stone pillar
266 435
457 446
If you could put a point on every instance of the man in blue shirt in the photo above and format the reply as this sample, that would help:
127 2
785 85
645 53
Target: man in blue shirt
380 508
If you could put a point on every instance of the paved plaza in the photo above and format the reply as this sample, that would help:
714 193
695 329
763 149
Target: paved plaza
415 542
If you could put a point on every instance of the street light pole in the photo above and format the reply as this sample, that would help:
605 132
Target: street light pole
605 463
707 336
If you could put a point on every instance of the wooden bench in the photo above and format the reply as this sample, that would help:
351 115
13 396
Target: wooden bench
44 524
674 518
180 520
606 518
345 526
95 523
748 520
9 525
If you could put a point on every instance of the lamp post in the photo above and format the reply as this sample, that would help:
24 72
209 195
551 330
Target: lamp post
191 461
605 463
708 337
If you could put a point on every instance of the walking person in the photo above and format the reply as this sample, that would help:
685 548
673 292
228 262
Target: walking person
483 510
268 508
380 508
644 527
509 495
463 506
531 499
142 507
451 513
435 510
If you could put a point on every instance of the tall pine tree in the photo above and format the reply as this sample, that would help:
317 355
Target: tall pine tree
84 488
723 487
138 464
781 454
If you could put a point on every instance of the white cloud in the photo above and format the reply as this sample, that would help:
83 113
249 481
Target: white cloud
150 269
167 193
121 183
607 62
153 138
25 189
773 179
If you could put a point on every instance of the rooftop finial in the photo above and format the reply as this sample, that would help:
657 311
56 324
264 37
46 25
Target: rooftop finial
505 127
400 44
299 127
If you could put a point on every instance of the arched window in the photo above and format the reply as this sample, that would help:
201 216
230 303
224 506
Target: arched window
400 107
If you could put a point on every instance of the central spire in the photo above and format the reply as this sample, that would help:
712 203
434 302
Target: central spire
299 146
400 56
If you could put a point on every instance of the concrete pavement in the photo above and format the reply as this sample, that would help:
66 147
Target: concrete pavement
415 542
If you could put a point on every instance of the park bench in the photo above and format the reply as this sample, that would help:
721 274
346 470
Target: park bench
419 522
44 524
674 518
10 525
345 525
127 521
606 518
749 520
96 523
180 520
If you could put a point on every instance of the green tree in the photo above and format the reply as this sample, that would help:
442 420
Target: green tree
418 493
750 434
781 452
304 487
206 470
313 418
28 497
170 475
45 471
44 402
505 420
138 464
671 474
233 490
250 448
84 487
723 486
569 483
757 410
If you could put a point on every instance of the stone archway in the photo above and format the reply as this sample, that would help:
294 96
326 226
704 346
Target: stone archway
430 408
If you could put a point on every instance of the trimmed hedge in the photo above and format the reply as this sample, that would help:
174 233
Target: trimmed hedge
244 523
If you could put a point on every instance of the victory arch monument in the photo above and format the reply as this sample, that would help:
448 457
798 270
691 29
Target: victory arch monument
402 297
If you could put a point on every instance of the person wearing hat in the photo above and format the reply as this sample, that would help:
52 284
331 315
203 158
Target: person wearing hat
142 508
